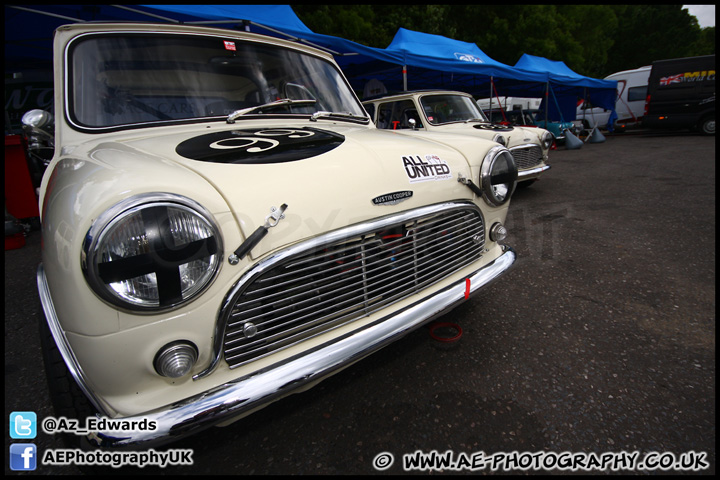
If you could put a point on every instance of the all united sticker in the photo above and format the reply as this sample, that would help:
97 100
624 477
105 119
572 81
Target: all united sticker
426 168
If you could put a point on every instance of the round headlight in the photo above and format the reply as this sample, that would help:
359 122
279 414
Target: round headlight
498 176
152 252
547 140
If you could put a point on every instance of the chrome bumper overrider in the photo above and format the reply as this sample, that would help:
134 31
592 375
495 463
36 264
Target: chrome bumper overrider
240 396
532 171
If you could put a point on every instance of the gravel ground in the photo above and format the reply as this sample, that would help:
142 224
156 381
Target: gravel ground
601 339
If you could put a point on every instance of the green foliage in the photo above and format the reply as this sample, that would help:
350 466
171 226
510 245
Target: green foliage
706 42
593 40
353 22
654 32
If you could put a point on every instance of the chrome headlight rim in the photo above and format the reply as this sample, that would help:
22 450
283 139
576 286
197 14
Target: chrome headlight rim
105 224
493 194
547 140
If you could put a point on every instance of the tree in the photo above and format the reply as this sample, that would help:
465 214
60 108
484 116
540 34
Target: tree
652 32
353 22
705 44
591 29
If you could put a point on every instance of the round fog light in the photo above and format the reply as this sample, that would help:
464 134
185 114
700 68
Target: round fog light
175 359
498 232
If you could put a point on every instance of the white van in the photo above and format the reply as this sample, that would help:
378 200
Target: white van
509 103
629 106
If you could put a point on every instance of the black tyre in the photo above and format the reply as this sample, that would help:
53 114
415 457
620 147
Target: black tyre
707 125
67 398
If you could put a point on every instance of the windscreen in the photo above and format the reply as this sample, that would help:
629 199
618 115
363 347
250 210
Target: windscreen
441 109
139 78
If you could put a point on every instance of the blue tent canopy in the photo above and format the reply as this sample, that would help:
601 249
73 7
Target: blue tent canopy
565 87
435 52
433 61
558 72
416 60
278 17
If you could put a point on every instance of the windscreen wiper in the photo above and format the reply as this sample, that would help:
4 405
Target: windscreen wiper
341 115
283 101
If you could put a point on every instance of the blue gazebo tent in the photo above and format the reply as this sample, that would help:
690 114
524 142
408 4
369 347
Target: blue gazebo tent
565 87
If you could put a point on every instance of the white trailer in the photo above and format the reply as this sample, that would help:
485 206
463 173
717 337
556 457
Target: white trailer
630 104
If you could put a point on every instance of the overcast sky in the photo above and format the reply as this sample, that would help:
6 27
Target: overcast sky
704 13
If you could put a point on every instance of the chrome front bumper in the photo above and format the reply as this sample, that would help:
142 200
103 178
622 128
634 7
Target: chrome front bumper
245 394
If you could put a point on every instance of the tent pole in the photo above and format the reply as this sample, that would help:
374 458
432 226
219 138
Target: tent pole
547 101
491 98
47 13
501 107
557 105
404 70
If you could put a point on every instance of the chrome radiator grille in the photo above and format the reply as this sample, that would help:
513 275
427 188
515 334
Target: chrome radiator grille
329 284
527 157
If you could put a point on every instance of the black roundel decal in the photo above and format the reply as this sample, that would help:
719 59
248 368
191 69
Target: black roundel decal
495 127
257 146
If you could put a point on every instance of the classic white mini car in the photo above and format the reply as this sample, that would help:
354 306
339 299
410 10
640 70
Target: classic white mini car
438 111
223 225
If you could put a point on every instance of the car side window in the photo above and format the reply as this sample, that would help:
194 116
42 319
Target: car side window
397 115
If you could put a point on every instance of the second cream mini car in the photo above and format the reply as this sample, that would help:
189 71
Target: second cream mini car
434 112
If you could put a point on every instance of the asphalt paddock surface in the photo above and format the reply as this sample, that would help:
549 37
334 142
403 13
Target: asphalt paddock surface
601 339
